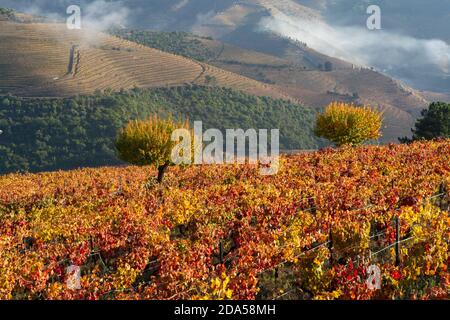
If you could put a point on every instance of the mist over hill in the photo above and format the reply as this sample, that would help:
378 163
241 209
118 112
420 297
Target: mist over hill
413 45
416 18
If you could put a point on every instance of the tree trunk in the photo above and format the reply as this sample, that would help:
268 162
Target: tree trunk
161 170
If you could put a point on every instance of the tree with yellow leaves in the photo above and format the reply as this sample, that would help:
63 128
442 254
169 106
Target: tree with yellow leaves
149 142
346 124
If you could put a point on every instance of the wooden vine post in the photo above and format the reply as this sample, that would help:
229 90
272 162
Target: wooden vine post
397 241
330 246
221 253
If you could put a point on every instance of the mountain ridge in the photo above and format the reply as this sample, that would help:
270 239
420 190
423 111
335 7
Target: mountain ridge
291 69
37 62
282 68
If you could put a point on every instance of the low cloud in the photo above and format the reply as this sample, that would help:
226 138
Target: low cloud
98 15
384 50
101 15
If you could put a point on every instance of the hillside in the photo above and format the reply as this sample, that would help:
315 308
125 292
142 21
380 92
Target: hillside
93 205
300 72
39 59
42 134
7 14
400 15
413 32
303 77
44 59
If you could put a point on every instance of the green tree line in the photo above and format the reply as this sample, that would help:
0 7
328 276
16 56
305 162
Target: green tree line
176 42
45 134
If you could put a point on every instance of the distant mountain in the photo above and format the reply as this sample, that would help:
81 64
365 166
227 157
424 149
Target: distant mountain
417 30
300 72
42 134
413 45
283 49
417 18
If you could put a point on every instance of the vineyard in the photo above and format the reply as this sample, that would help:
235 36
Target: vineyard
37 61
225 232
295 70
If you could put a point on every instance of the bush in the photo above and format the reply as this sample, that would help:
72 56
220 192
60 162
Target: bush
6 11
149 142
346 124
180 43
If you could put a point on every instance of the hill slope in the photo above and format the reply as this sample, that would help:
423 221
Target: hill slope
39 59
46 59
320 23
41 134
299 71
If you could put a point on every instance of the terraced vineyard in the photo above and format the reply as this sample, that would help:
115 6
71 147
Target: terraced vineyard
49 60
225 232
401 104
295 70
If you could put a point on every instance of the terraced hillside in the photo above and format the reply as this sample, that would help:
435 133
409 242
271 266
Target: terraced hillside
302 73
46 60
401 104
39 59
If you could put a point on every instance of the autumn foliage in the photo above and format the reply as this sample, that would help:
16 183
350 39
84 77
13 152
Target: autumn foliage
346 124
226 232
